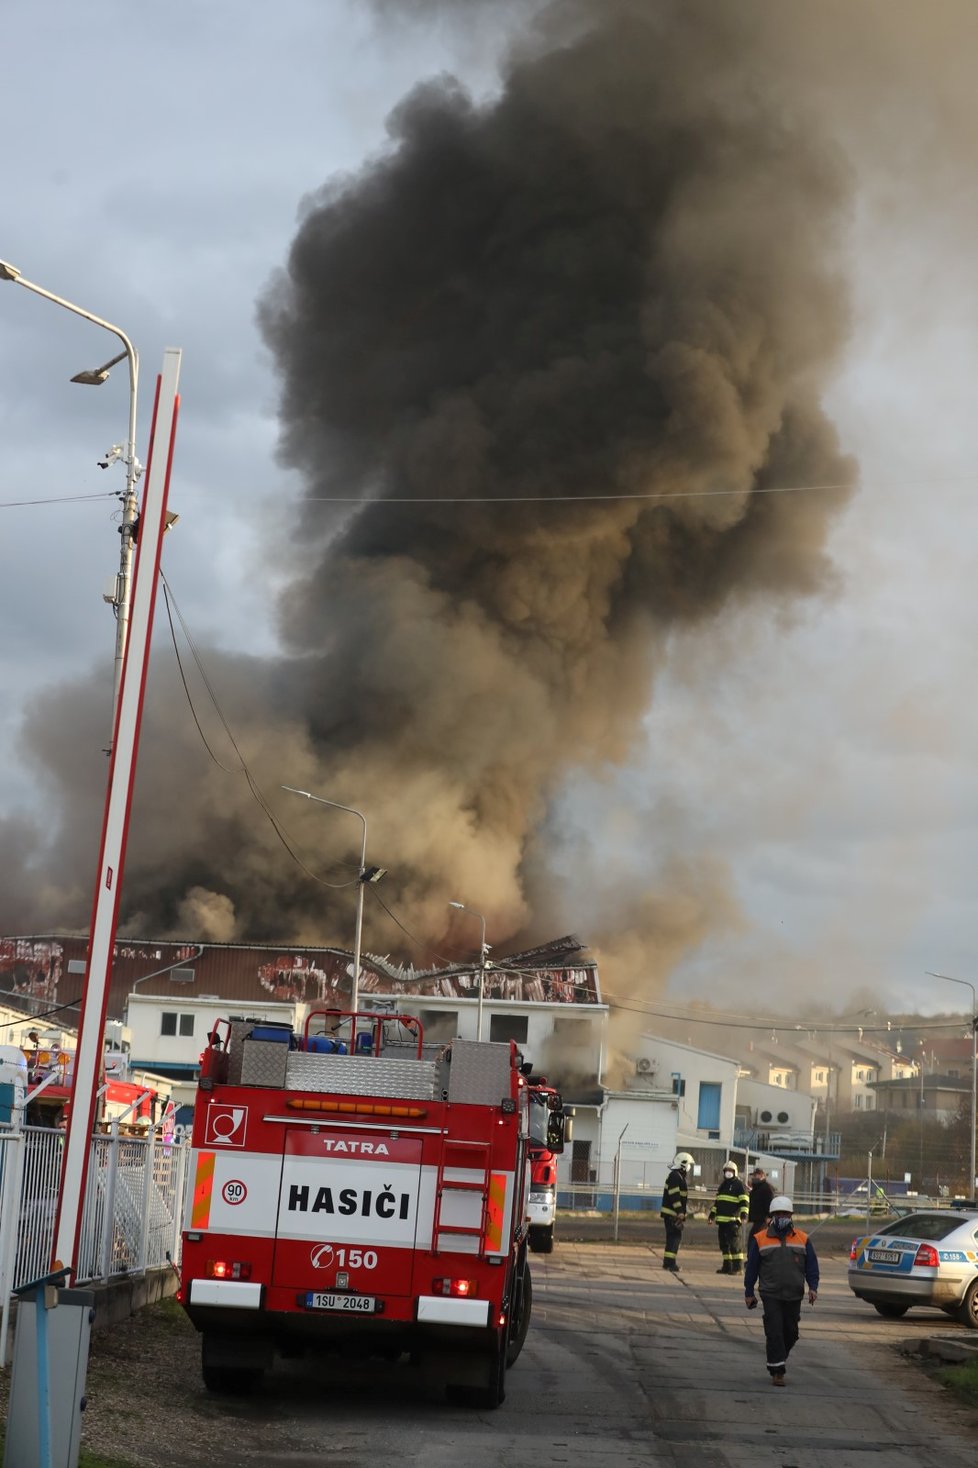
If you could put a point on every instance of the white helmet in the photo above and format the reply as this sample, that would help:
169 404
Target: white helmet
683 1160
730 1167
781 1204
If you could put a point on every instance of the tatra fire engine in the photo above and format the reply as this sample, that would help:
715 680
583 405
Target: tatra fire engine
547 1137
367 1195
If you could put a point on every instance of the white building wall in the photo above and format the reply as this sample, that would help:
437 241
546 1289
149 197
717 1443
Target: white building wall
644 1127
195 1020
773 1110
684 1072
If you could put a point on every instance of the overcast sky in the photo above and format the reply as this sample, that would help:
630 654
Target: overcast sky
807 777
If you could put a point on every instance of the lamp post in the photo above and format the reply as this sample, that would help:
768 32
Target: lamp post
95 378
362 876
974 1065
483 951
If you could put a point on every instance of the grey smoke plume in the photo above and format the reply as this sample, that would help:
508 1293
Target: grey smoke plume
617 279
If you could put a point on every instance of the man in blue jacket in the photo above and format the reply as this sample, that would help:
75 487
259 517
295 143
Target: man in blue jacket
782 1263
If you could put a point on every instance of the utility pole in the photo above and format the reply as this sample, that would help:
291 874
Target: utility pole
364 874
115 831
621 1137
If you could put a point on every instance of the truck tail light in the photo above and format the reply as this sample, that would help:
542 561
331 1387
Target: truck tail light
460 1289
927 1256
227 1269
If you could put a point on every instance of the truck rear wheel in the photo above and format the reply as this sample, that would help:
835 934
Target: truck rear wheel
519 1319
225 1369
494 1392
228 1381
542 1240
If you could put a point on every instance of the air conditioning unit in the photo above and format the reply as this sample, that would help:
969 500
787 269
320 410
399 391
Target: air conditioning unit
644 1066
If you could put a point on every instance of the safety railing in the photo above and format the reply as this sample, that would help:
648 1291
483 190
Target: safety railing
132 1214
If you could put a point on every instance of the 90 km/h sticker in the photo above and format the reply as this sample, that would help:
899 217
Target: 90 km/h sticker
234 1191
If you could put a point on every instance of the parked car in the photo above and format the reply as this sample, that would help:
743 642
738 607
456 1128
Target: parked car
925 1258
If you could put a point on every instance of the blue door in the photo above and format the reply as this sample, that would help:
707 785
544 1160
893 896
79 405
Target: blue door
708 1117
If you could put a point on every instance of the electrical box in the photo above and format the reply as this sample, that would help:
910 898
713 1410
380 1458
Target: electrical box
68 1326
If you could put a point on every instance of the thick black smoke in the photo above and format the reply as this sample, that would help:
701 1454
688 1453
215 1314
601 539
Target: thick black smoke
618 279
554 349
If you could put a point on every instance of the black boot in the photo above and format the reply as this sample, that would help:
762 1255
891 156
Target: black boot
727 1268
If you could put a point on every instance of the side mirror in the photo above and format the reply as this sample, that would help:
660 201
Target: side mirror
557 1132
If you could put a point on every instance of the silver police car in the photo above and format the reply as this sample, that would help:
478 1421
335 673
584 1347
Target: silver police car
925 1258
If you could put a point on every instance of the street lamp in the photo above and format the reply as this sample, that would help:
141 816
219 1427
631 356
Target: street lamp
373 874
974 1064
483 951
95 378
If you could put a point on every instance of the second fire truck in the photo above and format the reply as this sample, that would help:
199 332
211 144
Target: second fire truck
548 1132
367 1194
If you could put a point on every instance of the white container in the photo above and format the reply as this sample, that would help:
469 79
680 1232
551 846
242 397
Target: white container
13 1083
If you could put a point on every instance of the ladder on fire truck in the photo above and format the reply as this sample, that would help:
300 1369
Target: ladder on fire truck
459 1157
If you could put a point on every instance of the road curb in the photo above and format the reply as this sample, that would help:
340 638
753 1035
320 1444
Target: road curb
954 1350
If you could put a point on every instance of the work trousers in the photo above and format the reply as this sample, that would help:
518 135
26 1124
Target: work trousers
780 1330
674 1237
731 1246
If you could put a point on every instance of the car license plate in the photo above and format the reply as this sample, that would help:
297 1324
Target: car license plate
349 1304
885 1256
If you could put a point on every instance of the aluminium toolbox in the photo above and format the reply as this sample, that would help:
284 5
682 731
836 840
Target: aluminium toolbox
263 1062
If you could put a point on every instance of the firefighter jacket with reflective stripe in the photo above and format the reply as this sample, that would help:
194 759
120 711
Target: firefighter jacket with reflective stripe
782 1265
731 1202
674 1195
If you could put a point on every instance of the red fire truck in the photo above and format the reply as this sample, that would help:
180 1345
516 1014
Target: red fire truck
548 1132
366 1194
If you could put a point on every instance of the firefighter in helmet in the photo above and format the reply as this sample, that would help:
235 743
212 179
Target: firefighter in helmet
673 1209
728 1213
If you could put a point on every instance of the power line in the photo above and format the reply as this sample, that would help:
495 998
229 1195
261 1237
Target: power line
44 1014
564 499
418 942
252 783
790 1030
64 499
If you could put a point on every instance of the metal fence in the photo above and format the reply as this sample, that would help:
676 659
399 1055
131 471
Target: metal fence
131 1218
606 1195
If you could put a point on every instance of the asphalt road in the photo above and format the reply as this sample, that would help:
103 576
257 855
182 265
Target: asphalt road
625 1365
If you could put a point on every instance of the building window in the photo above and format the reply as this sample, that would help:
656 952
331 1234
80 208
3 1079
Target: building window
172 1024
508 1027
